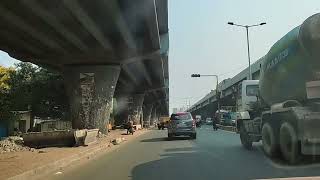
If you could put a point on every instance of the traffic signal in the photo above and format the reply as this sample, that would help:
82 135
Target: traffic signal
195 75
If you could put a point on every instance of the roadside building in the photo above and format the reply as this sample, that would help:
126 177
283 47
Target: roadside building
21 121
17 122
42 125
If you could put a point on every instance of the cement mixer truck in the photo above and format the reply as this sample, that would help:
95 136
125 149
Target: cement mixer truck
283 108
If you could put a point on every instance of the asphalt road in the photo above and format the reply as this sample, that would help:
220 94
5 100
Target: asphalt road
213 155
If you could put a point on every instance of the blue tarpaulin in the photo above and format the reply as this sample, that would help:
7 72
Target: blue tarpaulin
3 130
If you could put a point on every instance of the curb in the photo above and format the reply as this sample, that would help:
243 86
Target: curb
56 165
59 164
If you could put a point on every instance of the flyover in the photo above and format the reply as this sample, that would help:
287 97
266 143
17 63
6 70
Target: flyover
103 48
207 106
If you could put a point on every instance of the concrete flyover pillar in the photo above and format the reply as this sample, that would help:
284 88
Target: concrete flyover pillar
147 111
153 118
158 115
135 109
90 89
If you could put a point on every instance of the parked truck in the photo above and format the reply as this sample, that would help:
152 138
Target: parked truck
283 108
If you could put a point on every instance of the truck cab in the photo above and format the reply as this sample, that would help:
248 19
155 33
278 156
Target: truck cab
246 94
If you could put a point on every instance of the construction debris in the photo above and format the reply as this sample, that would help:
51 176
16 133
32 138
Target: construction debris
13 144
101 135
118 140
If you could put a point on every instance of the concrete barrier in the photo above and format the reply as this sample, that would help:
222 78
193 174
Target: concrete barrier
80 136
49 138
60 138
137 126
91 136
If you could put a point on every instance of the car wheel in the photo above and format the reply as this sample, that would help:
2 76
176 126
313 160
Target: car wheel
289 143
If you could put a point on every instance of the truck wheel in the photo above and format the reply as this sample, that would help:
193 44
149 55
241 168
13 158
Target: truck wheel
269 140
289 143
245 138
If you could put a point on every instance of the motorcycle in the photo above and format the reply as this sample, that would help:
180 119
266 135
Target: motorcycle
130 130
198 124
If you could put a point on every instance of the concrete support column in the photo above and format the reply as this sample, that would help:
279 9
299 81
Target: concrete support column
158 115
122 110
90 90
153 118
135 109
147 111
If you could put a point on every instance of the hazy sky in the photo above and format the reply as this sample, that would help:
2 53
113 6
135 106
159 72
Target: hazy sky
202 42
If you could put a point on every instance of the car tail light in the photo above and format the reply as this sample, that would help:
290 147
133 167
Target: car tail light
193 123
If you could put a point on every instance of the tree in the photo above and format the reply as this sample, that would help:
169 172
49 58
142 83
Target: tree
22 82
37 89
48 94
5 75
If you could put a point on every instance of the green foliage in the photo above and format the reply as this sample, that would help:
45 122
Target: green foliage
5 74
29 87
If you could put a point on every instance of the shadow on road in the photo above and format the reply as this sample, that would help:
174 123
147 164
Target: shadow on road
180 149
165 139
126 134
224 163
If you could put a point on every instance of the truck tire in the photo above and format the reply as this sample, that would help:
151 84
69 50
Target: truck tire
269 140
289 143
245 138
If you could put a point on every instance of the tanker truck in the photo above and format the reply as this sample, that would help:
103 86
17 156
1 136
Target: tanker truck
282 108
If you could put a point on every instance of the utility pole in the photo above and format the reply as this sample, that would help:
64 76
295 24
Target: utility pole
248 45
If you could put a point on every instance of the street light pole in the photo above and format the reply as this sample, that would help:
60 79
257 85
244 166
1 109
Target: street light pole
217 87
248 45
247 29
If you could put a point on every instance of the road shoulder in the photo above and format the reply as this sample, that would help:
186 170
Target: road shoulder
36 165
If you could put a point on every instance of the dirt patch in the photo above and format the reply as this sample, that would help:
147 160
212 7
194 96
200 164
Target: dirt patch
15 163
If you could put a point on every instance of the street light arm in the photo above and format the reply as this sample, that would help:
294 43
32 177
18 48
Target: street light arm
257 24
233 24
209 75
246 26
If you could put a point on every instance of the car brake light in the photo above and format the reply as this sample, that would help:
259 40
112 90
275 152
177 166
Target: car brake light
193 123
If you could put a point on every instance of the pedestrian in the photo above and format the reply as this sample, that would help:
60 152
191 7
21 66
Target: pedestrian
214 123
130 127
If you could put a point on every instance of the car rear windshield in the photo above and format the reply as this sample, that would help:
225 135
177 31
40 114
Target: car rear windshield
186 116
